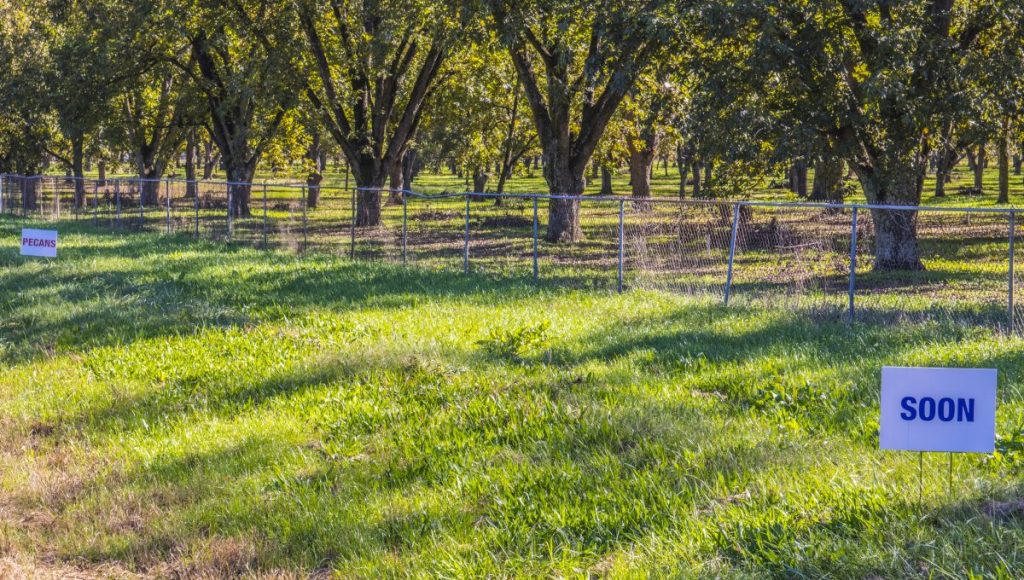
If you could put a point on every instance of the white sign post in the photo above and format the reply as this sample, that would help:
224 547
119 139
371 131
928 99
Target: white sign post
40 243
938 409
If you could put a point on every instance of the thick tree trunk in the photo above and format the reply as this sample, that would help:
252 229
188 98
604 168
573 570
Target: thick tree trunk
101 167
896 240
369 183
563 214
1004 170
896 245
313 181
480 178
800 178
697 169
640 163
1017 162
240 178
828 180
29 193
606 181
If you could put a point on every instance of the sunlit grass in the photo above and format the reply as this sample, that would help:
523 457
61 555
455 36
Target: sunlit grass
178 407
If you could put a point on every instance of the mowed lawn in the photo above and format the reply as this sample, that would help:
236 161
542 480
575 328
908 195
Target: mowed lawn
170 407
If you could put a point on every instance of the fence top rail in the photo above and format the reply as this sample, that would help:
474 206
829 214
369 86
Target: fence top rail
709 202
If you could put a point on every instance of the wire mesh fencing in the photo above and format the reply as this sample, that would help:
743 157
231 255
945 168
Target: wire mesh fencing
832 261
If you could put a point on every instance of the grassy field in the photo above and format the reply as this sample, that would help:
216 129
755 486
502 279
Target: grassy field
170 407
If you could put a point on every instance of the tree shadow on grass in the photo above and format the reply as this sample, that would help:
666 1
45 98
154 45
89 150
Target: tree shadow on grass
506 472
150 291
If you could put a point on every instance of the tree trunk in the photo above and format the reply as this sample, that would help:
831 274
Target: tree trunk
944 162
101 167
800 178
409 165
641 162
77 167
896 245
709 167
828 180
318 159
480 178
1017 163
606 181
396 178
369 183
697 168
211 159
191 189
563 214
150 186
979 169
240 179
313 181
29 193
683 165
1004 169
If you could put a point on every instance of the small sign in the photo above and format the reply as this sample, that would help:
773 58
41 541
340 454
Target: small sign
41 243
938 409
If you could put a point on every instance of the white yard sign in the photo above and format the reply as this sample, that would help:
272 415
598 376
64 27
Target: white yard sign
937 409
41 243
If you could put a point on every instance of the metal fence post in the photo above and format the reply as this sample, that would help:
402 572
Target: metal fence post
230 212
1013 232
732 250
195 201
352 251
305 201
142 205
117 194
536 236
465 247
853 261
167 194
622 231
405 229
265 215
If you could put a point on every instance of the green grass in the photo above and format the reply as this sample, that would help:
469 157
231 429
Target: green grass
174 407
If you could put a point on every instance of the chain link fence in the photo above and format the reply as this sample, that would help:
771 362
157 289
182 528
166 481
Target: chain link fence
814 257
